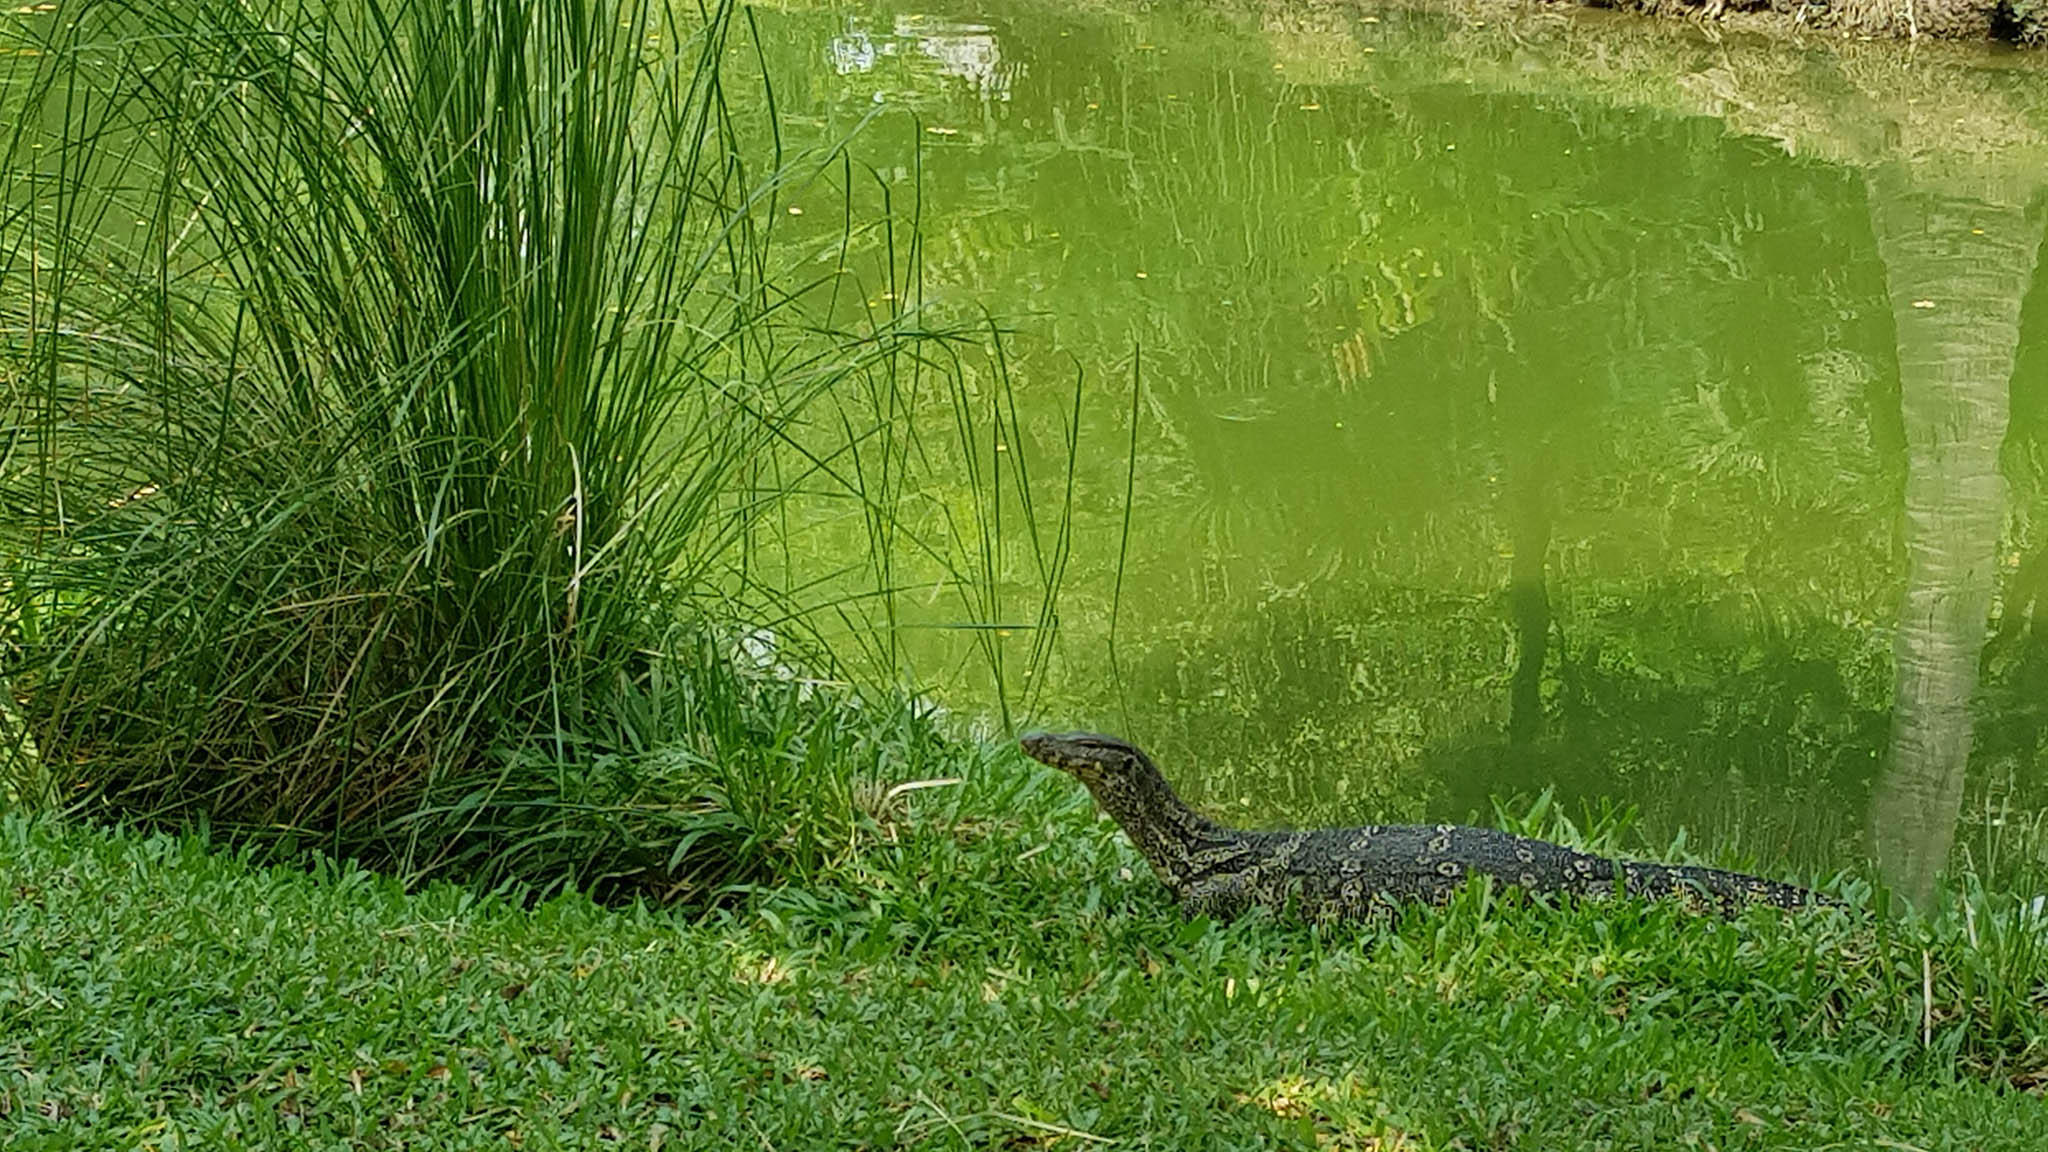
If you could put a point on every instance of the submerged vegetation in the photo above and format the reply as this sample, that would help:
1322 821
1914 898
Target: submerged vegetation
393 396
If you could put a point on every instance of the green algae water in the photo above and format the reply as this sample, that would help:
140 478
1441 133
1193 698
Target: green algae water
1485 430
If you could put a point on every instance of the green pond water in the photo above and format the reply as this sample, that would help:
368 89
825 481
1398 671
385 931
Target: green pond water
1485 442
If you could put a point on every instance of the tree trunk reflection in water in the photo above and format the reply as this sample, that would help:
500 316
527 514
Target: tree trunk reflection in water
1528 597
1957 270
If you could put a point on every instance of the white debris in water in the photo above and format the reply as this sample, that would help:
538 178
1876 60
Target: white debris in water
757 651
964 50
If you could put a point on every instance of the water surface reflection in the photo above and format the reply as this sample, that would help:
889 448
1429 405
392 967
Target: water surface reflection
1600 410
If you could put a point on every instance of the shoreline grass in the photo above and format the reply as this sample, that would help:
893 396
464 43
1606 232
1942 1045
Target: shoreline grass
992 969
392 402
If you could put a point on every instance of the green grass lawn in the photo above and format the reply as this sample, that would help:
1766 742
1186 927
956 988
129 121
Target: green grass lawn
994 970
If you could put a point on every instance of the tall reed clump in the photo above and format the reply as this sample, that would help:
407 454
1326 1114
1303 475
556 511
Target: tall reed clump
386 388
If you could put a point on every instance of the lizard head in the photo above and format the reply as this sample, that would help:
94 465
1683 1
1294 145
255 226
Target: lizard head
1094 759
1131 790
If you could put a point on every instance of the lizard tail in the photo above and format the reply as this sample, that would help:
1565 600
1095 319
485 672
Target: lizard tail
1726 892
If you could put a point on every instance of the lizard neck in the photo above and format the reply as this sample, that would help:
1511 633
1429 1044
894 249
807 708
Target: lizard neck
1170 835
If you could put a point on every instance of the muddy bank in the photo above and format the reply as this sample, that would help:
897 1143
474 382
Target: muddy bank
2013 21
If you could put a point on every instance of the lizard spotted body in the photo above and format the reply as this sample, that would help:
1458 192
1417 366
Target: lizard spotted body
1364 872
